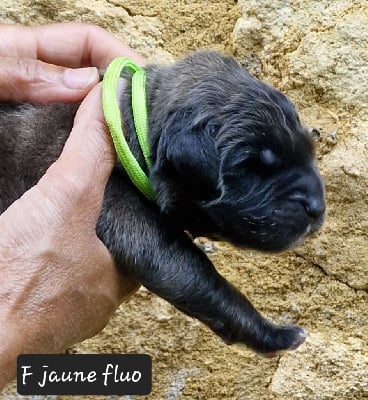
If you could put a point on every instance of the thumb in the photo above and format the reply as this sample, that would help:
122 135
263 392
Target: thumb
88 156
24 79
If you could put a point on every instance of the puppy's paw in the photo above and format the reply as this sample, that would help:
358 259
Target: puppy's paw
283 338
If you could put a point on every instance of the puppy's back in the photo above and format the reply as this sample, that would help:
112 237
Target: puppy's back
31 139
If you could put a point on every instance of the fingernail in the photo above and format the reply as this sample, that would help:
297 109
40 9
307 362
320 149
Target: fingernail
80 78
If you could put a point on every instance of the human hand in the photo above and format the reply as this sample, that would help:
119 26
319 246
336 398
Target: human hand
59 284
56 62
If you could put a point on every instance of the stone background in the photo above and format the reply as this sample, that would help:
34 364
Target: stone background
317 53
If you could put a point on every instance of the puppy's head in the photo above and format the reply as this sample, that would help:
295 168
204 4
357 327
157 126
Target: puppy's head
231 159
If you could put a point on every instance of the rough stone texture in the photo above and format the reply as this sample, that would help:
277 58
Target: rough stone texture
323 374
316 52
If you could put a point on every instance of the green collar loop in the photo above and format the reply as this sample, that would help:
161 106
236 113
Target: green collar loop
112 115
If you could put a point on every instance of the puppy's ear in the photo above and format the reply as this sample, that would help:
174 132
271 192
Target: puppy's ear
193 156
189 164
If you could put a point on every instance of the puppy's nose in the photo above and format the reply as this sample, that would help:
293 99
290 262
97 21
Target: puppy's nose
315 207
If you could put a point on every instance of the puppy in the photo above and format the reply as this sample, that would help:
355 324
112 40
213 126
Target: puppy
230 161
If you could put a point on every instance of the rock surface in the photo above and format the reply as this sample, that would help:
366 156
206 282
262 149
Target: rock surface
317 53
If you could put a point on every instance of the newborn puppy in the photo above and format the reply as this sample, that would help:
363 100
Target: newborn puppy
230 161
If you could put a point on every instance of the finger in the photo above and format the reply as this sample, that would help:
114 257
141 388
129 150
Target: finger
68 44
24 79
88 155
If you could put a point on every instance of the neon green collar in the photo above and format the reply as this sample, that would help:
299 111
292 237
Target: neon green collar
112 115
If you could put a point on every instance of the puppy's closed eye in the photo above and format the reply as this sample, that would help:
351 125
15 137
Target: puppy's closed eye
264 163
268 158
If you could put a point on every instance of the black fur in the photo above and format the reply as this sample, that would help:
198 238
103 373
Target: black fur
230 160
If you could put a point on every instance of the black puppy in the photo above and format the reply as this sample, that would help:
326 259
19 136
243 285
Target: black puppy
230 160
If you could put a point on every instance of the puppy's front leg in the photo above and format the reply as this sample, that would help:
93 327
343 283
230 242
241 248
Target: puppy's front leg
167 263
